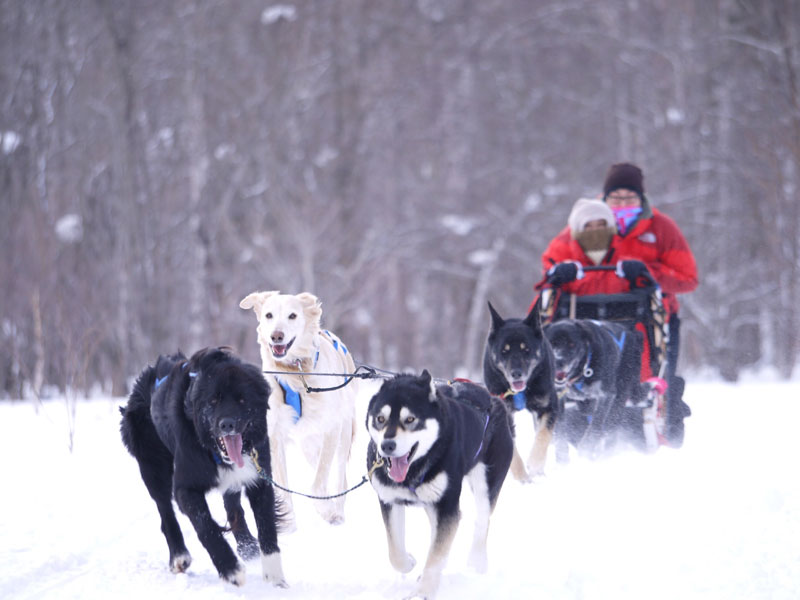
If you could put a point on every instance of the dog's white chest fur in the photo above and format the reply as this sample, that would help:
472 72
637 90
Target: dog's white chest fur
235 478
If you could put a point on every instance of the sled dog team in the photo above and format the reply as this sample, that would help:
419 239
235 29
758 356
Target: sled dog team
212 421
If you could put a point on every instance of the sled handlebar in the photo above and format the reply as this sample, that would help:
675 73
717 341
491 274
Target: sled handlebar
647 276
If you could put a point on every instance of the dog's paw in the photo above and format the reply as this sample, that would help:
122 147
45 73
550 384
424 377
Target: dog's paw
272 569
520 473
335 519
478 561
404 564
538 477
523 476
235 576
331 515
278 582
425 590
180 562
536 471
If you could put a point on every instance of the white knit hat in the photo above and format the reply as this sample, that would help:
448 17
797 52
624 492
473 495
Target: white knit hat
585 210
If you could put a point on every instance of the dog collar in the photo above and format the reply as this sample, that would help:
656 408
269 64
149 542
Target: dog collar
518 399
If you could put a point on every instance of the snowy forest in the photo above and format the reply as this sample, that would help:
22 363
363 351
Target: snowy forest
404 160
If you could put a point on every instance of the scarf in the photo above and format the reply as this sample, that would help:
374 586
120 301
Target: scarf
625 217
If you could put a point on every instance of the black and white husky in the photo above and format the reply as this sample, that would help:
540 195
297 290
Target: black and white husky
518 366
597 368
430 437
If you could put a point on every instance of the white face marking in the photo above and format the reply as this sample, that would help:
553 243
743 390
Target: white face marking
375 433
407 434
426 438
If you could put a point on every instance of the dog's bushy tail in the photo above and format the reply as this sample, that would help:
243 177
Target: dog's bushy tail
136 426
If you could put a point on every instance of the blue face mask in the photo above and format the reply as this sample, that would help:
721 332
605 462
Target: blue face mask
625 216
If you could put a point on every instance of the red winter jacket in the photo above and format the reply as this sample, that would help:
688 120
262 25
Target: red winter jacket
655 240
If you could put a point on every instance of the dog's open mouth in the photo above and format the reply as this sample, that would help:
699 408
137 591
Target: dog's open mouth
518 385
280 350
398 465
230 447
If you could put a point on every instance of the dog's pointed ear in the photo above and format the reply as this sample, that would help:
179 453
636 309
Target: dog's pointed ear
534 318
427 380
497 320
311 305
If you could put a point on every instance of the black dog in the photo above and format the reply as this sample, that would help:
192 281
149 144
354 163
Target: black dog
197 425
598 364
430 438
518 366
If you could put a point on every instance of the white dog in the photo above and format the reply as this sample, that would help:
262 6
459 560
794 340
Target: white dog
322 423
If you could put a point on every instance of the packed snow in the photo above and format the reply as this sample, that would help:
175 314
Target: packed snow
718 518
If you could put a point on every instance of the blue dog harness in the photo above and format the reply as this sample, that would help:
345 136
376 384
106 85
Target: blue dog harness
621 341
160 380
293 398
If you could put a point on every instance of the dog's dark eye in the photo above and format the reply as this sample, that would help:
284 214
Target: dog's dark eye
380 419
524 347
214 401
292 316
241 400
410 420
268 316
506 349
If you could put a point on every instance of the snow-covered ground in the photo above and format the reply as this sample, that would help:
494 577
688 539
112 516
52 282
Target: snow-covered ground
719 518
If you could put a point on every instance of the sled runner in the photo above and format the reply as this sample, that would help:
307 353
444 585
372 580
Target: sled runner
656 416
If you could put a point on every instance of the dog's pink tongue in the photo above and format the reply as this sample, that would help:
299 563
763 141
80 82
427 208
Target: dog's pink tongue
399 468
233 446
518 386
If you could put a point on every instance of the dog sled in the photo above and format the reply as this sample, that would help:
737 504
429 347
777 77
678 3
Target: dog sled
654 418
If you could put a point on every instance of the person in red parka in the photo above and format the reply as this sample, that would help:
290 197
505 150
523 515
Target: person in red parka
646 241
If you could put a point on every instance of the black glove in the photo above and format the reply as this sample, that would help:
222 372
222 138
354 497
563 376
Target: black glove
632 270
564 273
